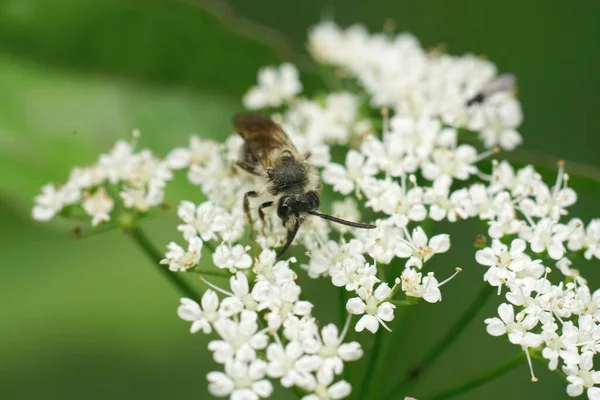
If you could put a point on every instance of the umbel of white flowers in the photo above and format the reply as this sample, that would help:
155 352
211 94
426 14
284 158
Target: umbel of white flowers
433 105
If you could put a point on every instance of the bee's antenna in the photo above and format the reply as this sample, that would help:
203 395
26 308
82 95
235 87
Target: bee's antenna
291 234
343 221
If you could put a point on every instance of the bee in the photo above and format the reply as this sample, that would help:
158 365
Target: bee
288 181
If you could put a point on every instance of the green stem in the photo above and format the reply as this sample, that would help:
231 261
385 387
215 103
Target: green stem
366 383
443 344
343 312
479 380
140 238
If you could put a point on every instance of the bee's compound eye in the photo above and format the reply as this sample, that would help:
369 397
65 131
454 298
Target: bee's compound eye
283 211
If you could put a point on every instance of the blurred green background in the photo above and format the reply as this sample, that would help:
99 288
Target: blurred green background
93 319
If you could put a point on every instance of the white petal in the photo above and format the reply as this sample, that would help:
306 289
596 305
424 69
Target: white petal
263 388
419 237
369 322
210 301
506 313
350 351
495 327
355 306
440 243
339 390
593 393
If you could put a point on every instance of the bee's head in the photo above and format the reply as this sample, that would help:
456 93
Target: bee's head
297 204
288 205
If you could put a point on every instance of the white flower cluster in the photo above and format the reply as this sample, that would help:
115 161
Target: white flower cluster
136 179
396 72
266 331
417 129
556 318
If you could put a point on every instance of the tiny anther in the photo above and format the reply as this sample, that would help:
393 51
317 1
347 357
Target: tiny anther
165 206
458 269
377 240
201 278
534 379
295 276
385 111
560 163
496 150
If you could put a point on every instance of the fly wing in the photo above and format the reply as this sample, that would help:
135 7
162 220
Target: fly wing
264 138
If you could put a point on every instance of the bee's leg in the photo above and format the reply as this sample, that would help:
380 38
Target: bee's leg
307 155
246 167
247 196
261 214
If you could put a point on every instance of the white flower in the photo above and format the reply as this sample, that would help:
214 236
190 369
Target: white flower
502 114
442 203
455 164
427 288
334 353
52 200
504 263
275 87
325 389
118 163
517 330
547 235
291 365
419 250
583 376
98 206
588 239
232 257
374 306
241 381
345 179
181 260
201 317
239 339
204 221
347 210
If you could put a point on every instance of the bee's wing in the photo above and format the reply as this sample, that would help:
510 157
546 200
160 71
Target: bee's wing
264 138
